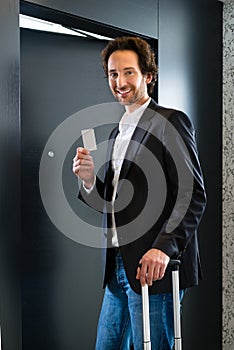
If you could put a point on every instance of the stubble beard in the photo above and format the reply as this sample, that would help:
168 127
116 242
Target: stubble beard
136 97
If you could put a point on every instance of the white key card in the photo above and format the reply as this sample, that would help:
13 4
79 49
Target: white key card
89 139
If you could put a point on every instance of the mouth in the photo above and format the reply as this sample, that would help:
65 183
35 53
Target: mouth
123 93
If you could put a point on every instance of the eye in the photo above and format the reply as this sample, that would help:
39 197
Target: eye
129 72
113 75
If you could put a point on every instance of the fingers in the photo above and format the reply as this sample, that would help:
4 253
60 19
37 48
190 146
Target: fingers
83 161
148 272
153 266
81 153
82 157
142 273
83 166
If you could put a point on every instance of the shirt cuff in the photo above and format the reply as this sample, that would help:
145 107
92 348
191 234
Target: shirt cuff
89 190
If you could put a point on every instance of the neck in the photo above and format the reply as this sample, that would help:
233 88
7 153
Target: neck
132 107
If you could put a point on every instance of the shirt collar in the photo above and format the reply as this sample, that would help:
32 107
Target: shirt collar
132 119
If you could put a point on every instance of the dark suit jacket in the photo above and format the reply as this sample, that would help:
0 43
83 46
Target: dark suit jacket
161 203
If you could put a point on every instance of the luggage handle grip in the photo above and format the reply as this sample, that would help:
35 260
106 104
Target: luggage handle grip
175 263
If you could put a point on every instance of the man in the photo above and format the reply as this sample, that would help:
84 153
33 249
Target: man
153 219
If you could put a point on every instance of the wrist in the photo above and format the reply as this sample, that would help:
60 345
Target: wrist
88 185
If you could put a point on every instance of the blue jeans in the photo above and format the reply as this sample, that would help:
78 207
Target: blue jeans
120 322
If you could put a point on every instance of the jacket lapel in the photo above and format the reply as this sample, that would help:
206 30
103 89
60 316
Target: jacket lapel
109 173
112 138
136 141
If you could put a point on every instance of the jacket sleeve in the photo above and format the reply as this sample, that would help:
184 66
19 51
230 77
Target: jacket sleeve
95 197
185 181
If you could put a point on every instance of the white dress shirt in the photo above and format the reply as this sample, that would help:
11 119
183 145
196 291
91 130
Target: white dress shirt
127 127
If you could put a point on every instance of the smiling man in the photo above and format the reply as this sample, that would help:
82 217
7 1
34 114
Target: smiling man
126 81
171 232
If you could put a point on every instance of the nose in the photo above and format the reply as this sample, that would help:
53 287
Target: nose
121 81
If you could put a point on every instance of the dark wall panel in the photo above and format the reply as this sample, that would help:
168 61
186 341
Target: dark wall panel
133 15
10 318
190 78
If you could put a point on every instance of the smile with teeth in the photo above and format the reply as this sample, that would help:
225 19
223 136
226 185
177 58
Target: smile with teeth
123 92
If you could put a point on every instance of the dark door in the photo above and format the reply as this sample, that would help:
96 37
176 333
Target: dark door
62 278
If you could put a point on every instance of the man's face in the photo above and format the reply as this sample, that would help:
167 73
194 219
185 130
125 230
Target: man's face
127 83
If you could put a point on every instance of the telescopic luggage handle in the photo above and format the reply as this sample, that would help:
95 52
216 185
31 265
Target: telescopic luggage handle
146 317
174 264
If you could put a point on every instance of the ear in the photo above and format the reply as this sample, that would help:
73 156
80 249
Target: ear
148 78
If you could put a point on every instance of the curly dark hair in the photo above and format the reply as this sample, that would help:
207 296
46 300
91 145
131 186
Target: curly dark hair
143 50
